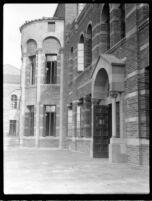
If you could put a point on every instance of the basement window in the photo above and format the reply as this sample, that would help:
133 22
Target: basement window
51 69
51 26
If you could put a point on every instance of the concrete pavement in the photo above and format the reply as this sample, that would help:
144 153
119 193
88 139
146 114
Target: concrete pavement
45 171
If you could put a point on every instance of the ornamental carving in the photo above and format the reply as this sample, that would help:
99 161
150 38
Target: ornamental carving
113 94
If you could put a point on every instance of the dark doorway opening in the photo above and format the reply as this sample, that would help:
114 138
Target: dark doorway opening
102 130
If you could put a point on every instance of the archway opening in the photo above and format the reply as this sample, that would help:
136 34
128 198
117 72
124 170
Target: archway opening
102 127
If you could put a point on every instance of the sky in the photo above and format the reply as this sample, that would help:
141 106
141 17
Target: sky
14 15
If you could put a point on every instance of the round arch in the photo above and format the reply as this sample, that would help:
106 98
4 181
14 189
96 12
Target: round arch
31 46
111 69
51 45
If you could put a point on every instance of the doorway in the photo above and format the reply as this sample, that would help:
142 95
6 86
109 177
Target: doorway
102 130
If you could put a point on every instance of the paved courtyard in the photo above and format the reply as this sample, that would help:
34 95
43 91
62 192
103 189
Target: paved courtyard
45 171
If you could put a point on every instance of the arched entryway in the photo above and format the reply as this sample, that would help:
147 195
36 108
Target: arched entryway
107 82
102 115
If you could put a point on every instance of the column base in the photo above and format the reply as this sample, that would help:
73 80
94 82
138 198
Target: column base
118 151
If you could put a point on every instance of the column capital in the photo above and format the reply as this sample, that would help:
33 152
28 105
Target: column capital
87 99
113 94
95 101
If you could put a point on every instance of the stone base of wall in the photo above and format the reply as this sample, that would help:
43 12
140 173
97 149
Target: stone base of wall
28 142
117 151
138 155
81 145
50 143
11 141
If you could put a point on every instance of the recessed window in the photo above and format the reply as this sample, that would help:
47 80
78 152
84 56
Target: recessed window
13 101
51 26
32 69
78 120
51 69
81 54
50 120
12 128
31 119
70 123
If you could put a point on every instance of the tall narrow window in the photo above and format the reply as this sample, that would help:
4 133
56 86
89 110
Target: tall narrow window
122 18
31 120
78 120
33 69
12 128
70 122
88 46
13 101
105 27
81 54
51 69
50 120
51 26
118 119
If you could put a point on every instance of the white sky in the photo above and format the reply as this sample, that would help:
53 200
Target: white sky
14 16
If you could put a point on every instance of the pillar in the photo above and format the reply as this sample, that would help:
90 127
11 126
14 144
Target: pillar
62 108
113 95
94 102
121 117
39 64
22 103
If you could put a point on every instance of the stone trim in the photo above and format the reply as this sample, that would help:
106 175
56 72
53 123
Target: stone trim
131 11
87 82
131 119
144 46
137 142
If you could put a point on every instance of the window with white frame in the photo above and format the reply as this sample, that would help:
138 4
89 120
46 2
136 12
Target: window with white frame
51 69
81 54
78 120
14 101
70 123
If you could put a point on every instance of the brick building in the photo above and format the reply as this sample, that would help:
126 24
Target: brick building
11 101
106 63
97 102
42 61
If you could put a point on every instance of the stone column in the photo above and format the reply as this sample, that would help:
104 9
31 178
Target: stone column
94 102
113 94
121 117
22 103
39 64
62 108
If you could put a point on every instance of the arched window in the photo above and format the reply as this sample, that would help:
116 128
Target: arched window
51 48
13 101
31 51
88 46
105 28
122 20
31 47
80 66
